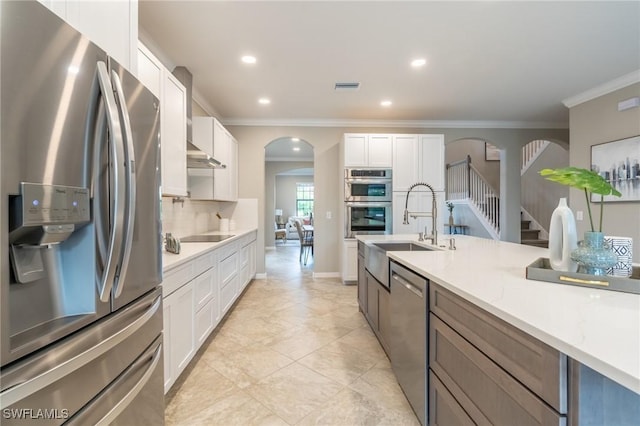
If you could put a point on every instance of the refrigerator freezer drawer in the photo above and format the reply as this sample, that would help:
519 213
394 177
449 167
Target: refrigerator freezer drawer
134 398
64 378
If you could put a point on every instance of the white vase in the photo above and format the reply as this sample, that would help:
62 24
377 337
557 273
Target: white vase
562 238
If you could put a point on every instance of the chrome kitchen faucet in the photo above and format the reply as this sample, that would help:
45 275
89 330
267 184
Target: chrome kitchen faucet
433 214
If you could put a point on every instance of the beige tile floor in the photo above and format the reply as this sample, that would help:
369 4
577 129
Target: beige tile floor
293 351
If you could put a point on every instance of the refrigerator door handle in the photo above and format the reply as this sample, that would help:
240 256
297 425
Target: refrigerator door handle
117 177
27 387
130 183
81 417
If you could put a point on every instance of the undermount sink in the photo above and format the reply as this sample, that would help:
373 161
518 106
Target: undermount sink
376 261
402 247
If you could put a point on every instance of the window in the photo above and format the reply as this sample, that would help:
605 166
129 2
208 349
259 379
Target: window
304 199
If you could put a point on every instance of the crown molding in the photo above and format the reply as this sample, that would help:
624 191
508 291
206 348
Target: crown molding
603 89
413 124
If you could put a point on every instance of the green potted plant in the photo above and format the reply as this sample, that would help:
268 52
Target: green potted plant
450 207
592 255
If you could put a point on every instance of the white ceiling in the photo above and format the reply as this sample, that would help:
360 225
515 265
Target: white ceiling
491 61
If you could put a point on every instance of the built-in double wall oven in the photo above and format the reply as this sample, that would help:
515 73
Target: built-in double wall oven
368 202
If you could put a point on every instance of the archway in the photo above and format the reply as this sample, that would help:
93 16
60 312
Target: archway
289 189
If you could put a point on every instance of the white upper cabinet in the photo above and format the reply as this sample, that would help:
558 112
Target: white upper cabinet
418 158
150 70
405 162
173 120
112 25
173 136
363 150
225 181
219 184
432 167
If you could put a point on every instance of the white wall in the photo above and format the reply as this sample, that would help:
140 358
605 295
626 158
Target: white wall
592 123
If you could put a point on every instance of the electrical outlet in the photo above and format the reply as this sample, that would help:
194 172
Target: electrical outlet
579 215
329 215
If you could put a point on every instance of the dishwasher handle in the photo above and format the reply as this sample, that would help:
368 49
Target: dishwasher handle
408 285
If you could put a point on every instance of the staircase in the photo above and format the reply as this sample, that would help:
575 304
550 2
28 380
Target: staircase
530 236
464 182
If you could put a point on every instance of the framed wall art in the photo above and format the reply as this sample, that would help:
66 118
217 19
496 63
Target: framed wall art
618 162
491 152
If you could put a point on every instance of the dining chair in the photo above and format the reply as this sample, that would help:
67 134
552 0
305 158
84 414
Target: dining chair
306 242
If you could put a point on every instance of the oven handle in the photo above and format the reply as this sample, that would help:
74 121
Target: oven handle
368 204
367 181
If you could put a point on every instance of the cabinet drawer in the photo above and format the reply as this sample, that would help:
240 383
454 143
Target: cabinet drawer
202 263
176 278
205 321
228 269
484 390
228 294
227 250
204 286
539 367
444 410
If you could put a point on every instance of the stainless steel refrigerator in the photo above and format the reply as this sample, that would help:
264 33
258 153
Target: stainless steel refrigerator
80 237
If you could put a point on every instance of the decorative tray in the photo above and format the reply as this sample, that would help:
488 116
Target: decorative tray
540 270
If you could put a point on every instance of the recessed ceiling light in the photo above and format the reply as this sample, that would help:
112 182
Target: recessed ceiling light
385 103
264 101
248 59
295 139
296 148
418 62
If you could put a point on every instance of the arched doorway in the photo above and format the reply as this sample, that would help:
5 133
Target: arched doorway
289 194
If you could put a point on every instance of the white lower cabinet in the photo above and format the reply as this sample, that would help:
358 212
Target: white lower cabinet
247 260
197 294
206 321
179 333
349 260
228 281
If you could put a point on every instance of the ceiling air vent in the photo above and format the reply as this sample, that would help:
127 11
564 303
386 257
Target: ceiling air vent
344 87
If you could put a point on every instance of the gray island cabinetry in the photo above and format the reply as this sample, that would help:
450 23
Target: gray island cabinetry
486 371
373 300
483 370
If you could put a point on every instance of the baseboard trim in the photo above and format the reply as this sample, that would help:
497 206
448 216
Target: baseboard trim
326 275
261 276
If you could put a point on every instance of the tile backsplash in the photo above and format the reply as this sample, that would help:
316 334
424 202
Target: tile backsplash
192 217
198 216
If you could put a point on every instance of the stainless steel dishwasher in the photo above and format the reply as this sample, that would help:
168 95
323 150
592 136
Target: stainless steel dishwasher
408 346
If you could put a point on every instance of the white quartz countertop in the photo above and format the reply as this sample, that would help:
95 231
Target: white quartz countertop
599 328
189 251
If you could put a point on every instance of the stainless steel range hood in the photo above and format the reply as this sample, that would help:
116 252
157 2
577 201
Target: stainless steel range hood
197 159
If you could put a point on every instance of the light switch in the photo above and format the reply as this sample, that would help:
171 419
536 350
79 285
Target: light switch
328 215
579 215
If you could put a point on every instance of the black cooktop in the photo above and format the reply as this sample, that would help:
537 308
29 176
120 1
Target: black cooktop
204 238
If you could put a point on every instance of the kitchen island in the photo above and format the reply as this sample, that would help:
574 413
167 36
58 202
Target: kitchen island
596 328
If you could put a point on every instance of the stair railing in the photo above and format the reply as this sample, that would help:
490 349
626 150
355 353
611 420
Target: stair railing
458 182
530 152
464 182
